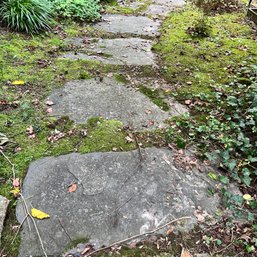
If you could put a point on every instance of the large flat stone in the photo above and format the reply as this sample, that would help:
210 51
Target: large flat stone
135 25
156 9
81 100
119 51
3 208
118 195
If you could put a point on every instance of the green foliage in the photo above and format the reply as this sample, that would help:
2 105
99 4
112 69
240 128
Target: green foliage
200 28
77 9
31 16
230 127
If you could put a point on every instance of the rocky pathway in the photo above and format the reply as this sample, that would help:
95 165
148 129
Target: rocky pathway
118 194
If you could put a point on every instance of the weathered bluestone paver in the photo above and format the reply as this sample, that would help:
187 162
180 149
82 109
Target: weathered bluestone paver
119 51
122 24
109 99
3 208
156 9
118 195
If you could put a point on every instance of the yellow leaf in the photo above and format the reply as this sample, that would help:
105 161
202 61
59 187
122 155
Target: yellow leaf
247 197
18 82
15 191
39 214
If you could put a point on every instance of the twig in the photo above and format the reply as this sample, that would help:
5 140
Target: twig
136 236
12 165
223 249
35 225
17 232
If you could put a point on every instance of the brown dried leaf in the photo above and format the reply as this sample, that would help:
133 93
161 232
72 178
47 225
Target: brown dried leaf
185 253
72 188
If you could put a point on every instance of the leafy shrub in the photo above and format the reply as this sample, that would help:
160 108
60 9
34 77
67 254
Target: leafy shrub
77 9
229 129
218 6
200 28
29 16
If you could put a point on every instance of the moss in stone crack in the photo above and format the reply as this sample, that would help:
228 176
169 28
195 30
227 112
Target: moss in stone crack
155 96
121 78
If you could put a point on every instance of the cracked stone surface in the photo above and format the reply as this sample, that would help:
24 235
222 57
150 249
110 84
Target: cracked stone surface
118 195
109 99
119 51
136 25
3 209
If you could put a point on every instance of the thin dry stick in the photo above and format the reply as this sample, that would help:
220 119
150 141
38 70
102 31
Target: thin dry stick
35 225
12 165
17 232
136 236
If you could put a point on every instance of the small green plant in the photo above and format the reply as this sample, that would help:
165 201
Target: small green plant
83 10
201 27
29 16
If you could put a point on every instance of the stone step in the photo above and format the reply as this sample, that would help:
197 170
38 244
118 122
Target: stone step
135 25
119 51
119 194
81 100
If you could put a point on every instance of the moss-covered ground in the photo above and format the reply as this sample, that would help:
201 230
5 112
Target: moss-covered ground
191 65
194 64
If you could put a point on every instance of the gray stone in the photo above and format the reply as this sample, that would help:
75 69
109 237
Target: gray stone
118 195
3 209
172 3
136 25
156 9
119 51
109 99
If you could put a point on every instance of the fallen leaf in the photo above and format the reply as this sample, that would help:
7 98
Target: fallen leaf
247 197
16 182
49 110
129 139
3 139
185 253
18 82
72 188
15 191
49 103
39 214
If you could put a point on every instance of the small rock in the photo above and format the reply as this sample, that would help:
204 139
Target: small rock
3 209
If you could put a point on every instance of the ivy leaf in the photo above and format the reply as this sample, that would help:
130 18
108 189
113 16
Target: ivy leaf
224 179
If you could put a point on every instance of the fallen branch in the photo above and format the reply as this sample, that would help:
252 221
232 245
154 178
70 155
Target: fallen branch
136 236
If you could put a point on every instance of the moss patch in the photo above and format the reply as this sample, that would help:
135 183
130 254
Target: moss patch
156 97
197 63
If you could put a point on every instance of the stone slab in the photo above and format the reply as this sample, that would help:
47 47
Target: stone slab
119 51
135 25
118 195
3 209
171 3
156 9
109 99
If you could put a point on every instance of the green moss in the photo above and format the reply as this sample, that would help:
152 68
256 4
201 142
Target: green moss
121 78
155 96
198 63
104 135
75 242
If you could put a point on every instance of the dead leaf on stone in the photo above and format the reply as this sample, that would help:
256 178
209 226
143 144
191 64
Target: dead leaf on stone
185 253
88 248
72 188
148 111
200 215
49 103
